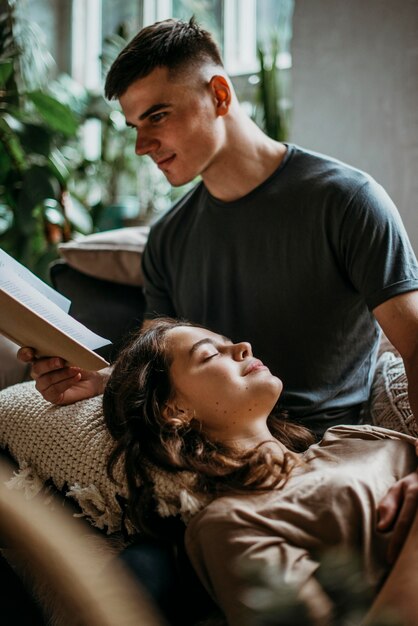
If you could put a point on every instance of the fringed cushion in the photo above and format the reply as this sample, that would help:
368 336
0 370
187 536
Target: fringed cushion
389 402
68 446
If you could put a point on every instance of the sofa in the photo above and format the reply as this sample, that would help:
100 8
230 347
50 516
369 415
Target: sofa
65 449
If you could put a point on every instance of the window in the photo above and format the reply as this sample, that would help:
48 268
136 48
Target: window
238 26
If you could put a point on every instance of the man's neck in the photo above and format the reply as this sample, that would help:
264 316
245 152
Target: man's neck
248 159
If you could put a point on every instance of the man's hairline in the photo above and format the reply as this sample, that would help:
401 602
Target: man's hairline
208 71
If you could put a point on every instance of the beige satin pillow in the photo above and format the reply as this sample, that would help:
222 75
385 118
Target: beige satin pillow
113 255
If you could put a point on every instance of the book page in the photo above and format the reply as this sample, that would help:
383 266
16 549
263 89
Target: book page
12 267
19 289
26 328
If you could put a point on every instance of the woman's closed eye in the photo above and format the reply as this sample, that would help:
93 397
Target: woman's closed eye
208 357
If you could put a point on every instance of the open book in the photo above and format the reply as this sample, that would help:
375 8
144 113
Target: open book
33 314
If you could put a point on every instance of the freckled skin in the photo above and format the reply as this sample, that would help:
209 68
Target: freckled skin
227 390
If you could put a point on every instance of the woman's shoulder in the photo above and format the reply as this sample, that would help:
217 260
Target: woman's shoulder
364 432
228 511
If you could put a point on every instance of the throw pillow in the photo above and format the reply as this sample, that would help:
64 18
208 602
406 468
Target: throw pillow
389 402
68 446
113 255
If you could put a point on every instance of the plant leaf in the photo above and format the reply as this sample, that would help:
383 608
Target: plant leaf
58 167
12 146
5 163
36 139
6 69
36 186
57 115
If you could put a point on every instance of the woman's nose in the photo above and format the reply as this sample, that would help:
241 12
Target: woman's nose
242 350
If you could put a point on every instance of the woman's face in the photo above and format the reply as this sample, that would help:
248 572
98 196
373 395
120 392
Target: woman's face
221 384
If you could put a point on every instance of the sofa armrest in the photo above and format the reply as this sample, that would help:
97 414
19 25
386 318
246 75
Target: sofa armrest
107 308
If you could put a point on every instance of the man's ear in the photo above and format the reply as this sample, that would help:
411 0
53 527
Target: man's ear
222 93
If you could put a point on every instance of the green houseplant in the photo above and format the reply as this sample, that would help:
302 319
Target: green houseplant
270 93
49 189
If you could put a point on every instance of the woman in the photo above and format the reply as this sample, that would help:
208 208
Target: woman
184 398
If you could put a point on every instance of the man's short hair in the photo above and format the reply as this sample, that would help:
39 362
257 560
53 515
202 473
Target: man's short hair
172 43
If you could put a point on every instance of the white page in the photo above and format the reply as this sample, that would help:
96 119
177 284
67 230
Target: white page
22 291
11 265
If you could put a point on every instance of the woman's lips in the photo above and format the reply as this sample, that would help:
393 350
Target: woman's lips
254 366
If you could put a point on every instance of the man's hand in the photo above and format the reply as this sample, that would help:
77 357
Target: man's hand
61 384
397 510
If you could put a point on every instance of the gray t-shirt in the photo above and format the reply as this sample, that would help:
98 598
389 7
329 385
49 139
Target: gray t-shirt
295 267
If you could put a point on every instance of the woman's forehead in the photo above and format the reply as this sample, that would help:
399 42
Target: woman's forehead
182 340
184 337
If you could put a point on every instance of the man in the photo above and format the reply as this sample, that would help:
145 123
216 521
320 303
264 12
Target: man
300 253
297 252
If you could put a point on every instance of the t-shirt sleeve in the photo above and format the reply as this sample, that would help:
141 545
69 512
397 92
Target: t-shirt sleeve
158 301
375 247
223 547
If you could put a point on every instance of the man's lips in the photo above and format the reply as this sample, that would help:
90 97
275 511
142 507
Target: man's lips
254 366
161 163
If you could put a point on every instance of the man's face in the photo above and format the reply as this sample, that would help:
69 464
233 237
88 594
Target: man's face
176 123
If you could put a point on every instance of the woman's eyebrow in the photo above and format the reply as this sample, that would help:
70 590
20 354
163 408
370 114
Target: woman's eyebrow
202 342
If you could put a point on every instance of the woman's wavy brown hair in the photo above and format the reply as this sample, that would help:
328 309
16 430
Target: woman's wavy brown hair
133 402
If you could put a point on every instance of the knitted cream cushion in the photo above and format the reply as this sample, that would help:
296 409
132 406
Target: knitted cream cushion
389 403
69 446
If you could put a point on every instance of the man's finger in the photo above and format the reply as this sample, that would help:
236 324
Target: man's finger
389 507
42 367
26 355
402 526
55 392
61 375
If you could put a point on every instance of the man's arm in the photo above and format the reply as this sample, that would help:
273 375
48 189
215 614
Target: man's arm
398 595
398 318
397 511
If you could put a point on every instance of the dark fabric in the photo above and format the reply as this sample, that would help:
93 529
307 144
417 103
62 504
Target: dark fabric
295 267
107 308
320 422
17 606
169 579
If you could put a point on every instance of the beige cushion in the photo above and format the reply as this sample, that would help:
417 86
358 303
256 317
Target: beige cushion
69 446
389 402
113 255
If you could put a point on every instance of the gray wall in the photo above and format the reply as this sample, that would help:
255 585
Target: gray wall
355 90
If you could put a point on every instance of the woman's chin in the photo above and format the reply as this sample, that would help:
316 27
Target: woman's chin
275 390
278 386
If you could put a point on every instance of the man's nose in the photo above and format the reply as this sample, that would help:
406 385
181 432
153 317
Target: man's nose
144 145
242 350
